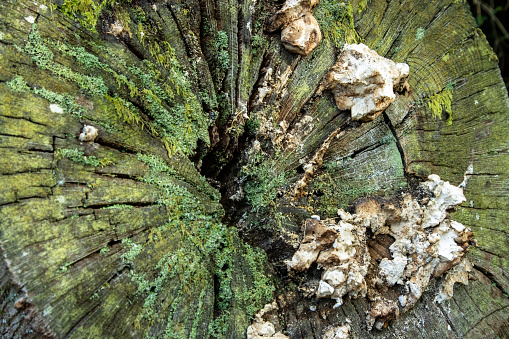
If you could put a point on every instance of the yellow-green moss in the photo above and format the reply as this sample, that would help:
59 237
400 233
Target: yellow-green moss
178 118
43 57
87 11
440 102
65 101
336 21
78 156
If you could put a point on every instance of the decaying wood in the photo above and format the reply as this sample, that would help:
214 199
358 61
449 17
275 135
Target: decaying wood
71 210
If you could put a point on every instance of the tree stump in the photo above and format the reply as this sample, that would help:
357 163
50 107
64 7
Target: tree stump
175 220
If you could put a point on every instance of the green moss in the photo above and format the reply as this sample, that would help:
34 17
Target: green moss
126 111
336 22
87 11
124 18
44 58
65 101
362 6
262 182
221 45
78 156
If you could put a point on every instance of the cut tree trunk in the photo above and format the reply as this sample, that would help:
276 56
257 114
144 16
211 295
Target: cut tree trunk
168 224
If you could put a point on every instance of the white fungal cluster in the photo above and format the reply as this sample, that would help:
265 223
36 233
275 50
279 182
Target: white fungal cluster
426 244
300 31
261 329
340 249
337 332
88 134
363 81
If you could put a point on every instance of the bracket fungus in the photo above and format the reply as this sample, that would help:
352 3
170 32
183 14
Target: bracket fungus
300 31
88 134
261 329
363 81
425 244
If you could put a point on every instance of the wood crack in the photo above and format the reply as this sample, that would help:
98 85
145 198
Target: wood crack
133 204
82 320
484 317
26 119
494 281
448 320
401 151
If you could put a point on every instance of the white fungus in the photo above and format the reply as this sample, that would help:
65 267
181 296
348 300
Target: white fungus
426 244
88 133
56 108
364 82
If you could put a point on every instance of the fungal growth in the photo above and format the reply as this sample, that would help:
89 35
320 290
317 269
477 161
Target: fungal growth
88 134
300 32
260 328
337 332
365 82
426 244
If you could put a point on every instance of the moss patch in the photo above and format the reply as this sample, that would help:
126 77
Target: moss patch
336 21
441 102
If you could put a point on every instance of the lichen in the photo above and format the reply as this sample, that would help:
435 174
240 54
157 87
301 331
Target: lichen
44 58
221 45
178 117
420 33
205 247
263 288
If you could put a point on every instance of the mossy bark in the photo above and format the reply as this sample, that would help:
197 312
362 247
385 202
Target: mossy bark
69 267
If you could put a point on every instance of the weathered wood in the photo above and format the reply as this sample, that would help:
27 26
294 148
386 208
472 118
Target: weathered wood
126 237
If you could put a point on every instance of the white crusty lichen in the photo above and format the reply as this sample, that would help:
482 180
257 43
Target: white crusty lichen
88 134
300 32
425 244
364 82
